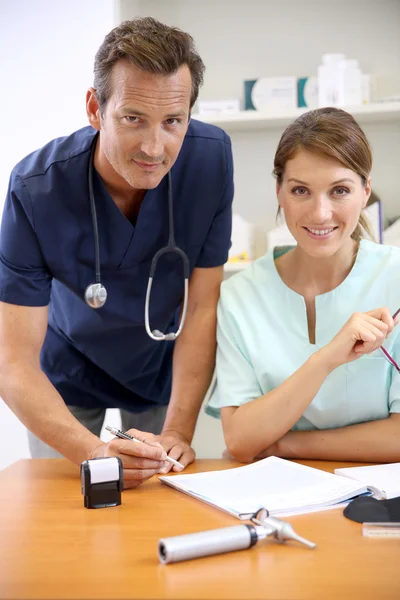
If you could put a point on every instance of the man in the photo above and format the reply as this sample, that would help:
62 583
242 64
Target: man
62 363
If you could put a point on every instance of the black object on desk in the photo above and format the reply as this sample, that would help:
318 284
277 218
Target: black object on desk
365 509
102 482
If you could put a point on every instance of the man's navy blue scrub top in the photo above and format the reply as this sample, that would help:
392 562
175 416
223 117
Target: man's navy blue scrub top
104 358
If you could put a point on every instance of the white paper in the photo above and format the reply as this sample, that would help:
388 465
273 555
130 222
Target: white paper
103 470
281 486
384 477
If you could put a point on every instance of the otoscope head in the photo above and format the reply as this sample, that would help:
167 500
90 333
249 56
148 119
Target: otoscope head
281 530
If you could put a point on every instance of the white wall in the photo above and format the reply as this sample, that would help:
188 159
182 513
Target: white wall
245 39
47 50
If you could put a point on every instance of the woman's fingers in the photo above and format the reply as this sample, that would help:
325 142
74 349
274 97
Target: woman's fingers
383 316
362 334
370 338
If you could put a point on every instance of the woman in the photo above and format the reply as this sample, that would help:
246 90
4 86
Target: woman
300 372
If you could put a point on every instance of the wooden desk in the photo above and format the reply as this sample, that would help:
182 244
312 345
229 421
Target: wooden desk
52 547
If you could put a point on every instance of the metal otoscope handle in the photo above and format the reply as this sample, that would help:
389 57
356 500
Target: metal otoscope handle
207 543
226 539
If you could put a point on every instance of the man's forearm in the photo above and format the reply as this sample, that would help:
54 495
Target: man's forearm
35 401
375 441
193 367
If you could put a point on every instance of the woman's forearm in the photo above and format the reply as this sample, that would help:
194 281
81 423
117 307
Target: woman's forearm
375 441
253 427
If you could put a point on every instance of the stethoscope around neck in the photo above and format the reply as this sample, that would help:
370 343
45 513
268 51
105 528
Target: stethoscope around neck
96 293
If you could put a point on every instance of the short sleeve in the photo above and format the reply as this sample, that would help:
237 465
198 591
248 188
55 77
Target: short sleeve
24 276
394 393
236 381
218 241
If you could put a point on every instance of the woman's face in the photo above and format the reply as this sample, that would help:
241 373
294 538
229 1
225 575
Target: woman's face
322 202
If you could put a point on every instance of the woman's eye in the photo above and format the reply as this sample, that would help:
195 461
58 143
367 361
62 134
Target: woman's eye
299 191
341 191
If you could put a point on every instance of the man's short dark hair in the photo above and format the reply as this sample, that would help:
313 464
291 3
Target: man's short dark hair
151 46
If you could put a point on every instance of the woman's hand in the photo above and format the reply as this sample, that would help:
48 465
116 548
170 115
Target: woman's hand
362 334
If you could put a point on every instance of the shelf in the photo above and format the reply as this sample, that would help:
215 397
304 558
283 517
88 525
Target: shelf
252 119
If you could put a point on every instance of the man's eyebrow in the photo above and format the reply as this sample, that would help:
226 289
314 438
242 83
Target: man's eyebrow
130 110
179 113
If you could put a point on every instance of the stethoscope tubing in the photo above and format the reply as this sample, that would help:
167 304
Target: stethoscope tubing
96 294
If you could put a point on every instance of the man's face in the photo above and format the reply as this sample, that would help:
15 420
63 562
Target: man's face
143 124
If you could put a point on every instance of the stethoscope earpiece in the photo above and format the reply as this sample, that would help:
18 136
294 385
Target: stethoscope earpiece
95 295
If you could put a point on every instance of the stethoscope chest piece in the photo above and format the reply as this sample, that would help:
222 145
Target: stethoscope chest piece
95 295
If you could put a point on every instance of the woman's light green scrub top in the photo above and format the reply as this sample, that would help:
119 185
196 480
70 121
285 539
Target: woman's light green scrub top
263 338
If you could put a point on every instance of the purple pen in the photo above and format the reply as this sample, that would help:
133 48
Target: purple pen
386 353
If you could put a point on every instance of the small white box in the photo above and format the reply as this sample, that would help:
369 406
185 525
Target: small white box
218 107
242 248
271 93
280 236
368 88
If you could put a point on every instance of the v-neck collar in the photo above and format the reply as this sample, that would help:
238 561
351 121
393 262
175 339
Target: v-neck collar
122 242
294 304
341 288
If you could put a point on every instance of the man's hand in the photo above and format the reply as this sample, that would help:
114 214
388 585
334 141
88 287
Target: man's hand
177 447
140 461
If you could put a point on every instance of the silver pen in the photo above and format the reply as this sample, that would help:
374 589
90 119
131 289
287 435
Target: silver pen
125 436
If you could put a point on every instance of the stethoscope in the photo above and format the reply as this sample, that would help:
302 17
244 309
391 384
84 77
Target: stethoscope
96 293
